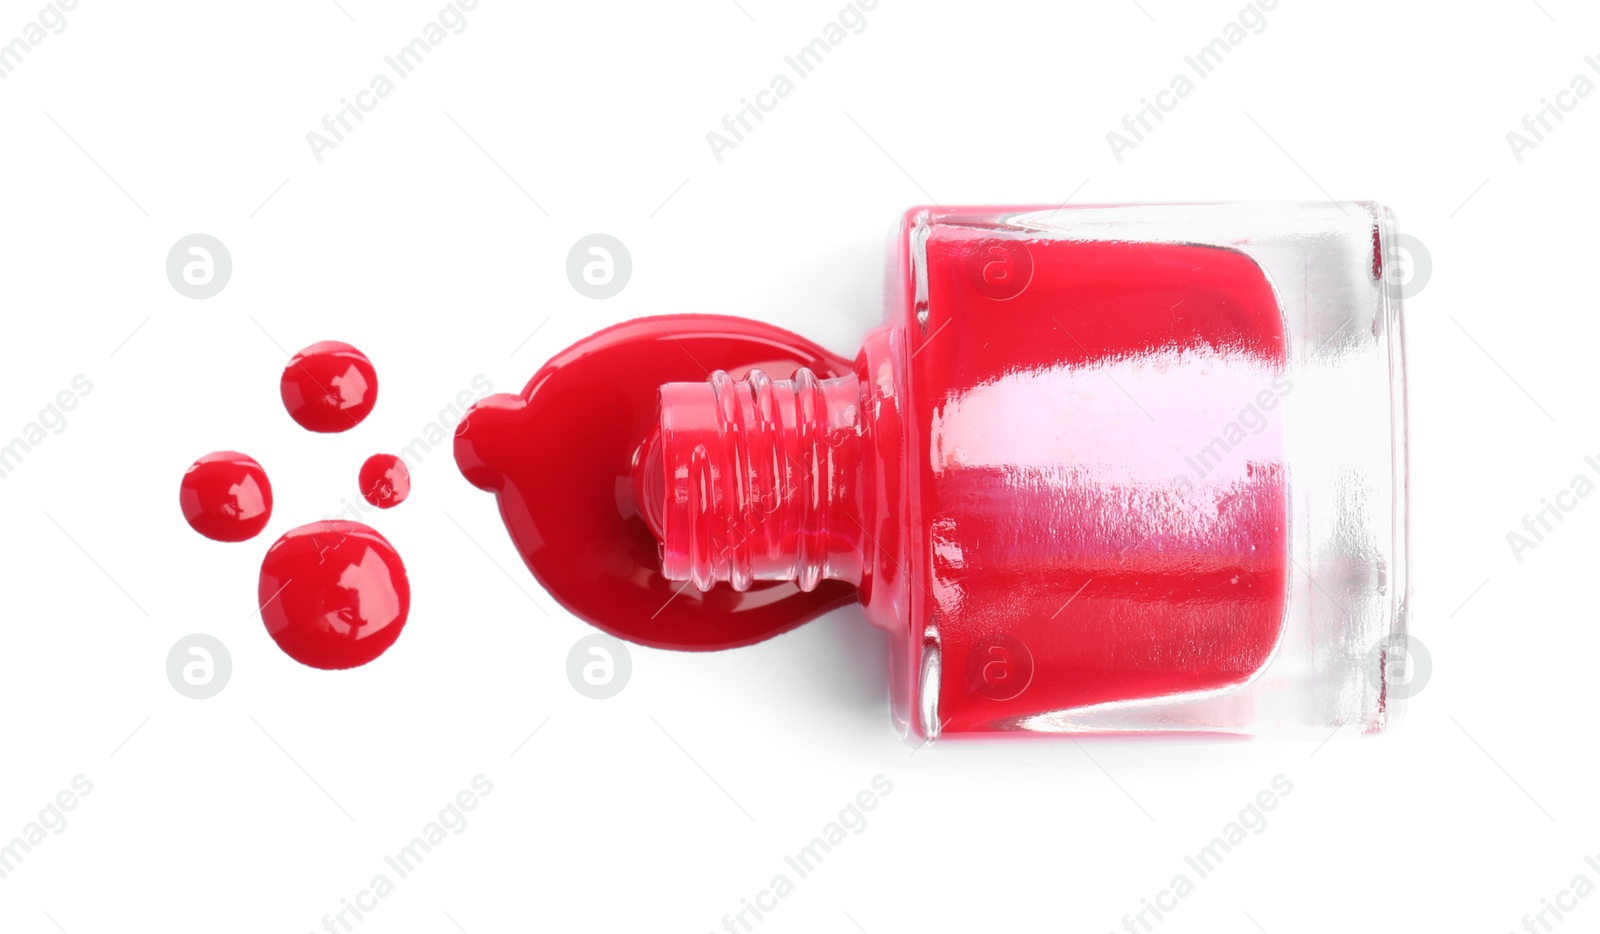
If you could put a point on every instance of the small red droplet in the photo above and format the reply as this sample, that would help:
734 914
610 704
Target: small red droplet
226 497
333 594
329 386
385 481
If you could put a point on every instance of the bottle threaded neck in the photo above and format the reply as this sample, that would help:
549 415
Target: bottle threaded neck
761 480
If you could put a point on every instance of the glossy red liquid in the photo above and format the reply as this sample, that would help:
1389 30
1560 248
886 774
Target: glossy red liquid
561 459
333 594
1085 541
385 481
225 496
329 387
1024 489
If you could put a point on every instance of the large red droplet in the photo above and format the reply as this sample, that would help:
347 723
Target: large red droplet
329 386
333 594
385 481
226 497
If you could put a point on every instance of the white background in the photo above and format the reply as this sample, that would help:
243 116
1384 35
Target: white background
260 809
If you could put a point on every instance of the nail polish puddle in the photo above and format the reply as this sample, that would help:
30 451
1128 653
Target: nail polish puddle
333 594
560 459
385 481
225 496
329 387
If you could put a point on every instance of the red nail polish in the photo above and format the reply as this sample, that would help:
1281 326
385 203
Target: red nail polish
334 594
1103 469
385 481
329 387
226 496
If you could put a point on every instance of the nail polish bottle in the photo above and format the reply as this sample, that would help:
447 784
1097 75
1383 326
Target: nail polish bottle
1103 469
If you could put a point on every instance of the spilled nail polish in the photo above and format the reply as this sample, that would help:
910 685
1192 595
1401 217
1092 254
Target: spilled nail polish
329 387
226 496
334 594
385 481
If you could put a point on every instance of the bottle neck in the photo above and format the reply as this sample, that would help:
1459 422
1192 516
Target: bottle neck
757 479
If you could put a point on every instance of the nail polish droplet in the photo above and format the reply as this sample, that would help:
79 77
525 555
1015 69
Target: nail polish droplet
385 481
225 496
333 594
329 386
